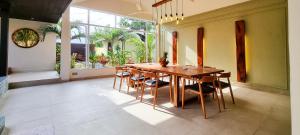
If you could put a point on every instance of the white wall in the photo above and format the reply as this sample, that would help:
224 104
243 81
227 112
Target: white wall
294 47
39 58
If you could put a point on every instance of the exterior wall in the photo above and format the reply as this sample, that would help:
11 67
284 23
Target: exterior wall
294 42
266 41
39 58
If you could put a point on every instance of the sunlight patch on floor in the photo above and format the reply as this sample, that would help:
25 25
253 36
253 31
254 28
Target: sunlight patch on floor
148 114
118 98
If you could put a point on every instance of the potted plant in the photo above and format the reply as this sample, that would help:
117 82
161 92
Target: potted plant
103 60
163 60
93 59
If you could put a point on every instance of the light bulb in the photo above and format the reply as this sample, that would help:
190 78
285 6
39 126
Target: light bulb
177 22
182 16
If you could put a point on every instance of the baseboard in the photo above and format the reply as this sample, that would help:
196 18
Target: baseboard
263 88
93 77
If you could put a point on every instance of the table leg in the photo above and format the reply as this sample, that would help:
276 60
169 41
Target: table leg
176 91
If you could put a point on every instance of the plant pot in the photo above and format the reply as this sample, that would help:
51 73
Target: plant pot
164 63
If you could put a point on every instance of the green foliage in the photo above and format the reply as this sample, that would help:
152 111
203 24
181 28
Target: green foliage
56 28
151 46
118 57
73 60
140 49
57 68
105 35
135 24
93 59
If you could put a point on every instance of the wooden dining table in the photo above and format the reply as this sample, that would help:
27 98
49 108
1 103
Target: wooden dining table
176 72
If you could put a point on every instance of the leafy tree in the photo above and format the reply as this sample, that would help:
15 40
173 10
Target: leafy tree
140 49
150 46
106 35
56 28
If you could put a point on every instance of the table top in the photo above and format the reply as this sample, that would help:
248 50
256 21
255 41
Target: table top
189 71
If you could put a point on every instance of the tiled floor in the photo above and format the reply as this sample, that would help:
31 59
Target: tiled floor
92 107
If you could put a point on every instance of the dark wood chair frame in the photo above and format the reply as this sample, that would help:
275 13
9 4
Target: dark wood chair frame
122 77
200 93
155 76
219 86
136 84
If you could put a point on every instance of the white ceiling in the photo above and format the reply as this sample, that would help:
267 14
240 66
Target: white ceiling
129 8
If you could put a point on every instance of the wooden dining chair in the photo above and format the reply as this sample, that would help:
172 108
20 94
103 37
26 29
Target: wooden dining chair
122 73
222 84
135 80
154 83
201 89
193 80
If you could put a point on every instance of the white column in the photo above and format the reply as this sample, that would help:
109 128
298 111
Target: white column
65 62
294 48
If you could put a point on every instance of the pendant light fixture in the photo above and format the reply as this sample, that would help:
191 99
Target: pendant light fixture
182 15
161 17
168 17
171 15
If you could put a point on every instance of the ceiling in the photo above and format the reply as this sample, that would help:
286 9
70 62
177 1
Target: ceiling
37 10
129 8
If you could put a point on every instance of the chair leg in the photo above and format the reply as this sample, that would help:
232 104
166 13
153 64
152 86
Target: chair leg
128 85
115 82
203 105
222 97
151 91
231 94
143 91
155 98
137 91
121 81
218 101
199 99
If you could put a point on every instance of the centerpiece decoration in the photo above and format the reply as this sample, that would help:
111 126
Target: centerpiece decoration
163 60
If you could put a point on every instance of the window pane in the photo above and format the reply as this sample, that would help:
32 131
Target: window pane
78 46
78 15
150 26
103 19
129 23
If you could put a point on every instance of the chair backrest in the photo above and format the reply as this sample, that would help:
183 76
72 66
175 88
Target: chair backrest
135 72
208 79
225 75
150 75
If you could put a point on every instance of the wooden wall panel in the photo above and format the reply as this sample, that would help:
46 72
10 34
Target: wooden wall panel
240 50
200 37
174 46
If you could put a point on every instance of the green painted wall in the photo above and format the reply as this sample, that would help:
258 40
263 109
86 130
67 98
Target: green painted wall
266 40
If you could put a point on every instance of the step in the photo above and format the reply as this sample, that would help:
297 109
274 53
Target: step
19 80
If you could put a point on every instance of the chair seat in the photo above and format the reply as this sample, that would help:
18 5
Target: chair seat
223 84
137 78
205 88
152 83
123 74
